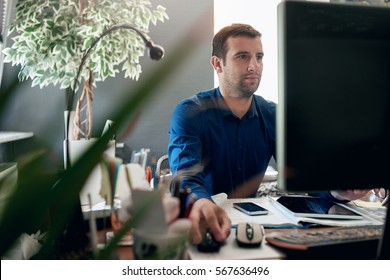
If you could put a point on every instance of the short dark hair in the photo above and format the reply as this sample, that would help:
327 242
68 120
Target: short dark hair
219 47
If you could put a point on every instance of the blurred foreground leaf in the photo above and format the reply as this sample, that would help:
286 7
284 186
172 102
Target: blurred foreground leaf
40 191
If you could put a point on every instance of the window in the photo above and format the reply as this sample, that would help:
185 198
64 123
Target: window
261 14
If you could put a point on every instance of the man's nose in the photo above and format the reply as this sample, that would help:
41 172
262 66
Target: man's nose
254 65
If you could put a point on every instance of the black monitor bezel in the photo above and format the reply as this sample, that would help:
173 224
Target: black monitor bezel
298 173
284 8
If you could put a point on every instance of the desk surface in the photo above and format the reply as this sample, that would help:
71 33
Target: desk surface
228 251
265 252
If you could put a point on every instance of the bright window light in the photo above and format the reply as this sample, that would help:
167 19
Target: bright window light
261 14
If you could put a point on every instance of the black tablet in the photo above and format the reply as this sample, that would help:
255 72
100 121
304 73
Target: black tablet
316 207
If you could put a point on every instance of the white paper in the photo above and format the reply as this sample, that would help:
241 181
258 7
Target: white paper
278 217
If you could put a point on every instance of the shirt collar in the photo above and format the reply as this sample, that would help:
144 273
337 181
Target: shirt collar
252 112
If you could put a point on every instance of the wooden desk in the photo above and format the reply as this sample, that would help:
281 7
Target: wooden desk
121 252
124 253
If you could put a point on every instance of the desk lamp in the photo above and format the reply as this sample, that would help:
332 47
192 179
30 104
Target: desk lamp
75 232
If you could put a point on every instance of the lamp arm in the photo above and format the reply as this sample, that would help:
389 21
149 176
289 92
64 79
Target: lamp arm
156 51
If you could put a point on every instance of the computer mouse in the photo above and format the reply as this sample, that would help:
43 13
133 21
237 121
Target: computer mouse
249 234
209 244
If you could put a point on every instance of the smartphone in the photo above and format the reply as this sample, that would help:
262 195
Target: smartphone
250 208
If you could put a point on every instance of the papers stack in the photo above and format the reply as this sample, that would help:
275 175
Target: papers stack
278 217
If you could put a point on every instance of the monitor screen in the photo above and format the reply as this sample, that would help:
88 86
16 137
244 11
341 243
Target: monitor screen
334 96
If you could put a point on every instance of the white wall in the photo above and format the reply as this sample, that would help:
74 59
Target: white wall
261 14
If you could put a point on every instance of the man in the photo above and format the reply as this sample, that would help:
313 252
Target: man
228 130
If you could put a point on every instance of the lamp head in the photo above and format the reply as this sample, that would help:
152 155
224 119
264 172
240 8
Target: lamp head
156 52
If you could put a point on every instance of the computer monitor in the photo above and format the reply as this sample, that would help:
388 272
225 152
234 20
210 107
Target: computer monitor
334 96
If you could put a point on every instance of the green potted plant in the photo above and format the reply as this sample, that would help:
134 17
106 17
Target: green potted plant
48 189
52 37
80 42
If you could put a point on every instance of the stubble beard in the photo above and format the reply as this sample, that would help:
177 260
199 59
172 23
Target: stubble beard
247 91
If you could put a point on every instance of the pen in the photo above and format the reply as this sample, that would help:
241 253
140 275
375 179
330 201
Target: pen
183 195
176 189
180 193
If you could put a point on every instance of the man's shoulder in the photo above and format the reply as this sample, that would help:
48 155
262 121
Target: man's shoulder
261 100
263 103
200 98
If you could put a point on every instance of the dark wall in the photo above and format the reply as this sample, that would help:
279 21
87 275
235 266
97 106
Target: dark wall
41 110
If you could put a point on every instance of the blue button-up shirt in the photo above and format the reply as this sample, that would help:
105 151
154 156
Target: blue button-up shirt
235 152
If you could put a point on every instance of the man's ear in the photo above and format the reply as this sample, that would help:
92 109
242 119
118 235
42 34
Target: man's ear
216 62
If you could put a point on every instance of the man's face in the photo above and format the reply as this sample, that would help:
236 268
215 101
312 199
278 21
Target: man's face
241 71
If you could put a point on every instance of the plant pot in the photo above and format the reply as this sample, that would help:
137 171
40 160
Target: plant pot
93 184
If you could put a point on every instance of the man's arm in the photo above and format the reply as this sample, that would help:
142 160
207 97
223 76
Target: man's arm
342 196
185 151
348 195
185 145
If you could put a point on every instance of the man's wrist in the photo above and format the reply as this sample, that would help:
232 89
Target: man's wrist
337 197
330 196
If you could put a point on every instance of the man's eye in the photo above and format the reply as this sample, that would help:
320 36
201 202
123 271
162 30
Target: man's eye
242 56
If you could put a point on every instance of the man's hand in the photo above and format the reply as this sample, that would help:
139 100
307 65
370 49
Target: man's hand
206 214
349 194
